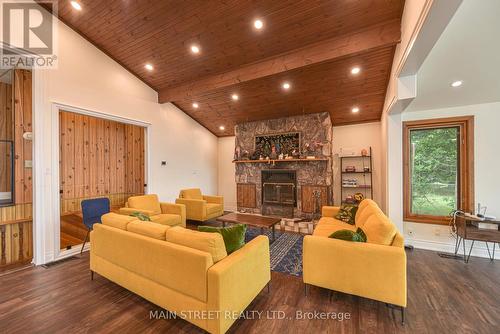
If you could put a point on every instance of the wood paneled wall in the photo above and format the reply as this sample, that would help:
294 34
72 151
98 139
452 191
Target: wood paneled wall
16 237
23 148
6 133
99 158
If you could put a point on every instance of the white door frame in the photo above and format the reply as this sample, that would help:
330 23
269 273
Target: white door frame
56 200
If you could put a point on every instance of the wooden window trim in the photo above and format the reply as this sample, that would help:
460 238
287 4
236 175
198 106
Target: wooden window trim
466 164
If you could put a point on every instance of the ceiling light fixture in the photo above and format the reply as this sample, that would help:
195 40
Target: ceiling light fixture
355 109
258 24
355 70
286 85
222 128
195 49
457 83
148 67
235 97
195 105
76 5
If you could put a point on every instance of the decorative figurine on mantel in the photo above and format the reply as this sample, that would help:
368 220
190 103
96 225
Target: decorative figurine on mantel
364 152
237 151
245 155
281 156
273 155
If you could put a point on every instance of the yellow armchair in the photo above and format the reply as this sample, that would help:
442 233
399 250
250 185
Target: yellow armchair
159 212
200 207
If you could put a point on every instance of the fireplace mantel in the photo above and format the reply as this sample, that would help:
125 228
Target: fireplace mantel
269 161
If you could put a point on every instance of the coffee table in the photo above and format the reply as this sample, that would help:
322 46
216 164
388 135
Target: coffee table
251 220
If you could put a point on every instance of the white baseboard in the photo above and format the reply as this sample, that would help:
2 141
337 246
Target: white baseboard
479 249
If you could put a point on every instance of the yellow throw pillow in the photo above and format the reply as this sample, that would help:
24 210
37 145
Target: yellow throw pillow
212 243
379 229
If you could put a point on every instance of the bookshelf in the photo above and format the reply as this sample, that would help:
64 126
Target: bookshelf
363 178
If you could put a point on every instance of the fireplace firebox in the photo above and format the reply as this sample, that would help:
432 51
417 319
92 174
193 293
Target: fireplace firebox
279 187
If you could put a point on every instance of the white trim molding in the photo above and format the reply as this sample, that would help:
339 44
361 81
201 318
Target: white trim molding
479 249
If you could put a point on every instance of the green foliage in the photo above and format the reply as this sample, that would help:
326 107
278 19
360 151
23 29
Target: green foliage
434 170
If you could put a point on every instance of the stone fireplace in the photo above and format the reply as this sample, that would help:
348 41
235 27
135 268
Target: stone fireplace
287 188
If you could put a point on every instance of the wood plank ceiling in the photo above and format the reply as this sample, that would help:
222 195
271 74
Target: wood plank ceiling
312 44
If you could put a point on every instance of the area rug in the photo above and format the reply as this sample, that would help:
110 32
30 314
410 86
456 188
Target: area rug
286 251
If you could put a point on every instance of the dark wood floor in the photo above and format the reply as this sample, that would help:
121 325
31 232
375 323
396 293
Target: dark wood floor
73 231
445 296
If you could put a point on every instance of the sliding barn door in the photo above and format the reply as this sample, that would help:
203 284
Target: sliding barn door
98 158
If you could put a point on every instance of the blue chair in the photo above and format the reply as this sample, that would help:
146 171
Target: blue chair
93 210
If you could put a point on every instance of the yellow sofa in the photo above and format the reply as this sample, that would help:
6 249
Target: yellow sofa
199 283
200 207
159 212
375 269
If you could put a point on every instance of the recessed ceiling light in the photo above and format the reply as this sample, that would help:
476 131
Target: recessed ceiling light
286 85
195 105
195 49
355 70
235 97
148 67
222 128
258 24
355 109
76 5
457 83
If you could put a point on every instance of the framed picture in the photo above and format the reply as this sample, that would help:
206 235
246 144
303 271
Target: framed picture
284 143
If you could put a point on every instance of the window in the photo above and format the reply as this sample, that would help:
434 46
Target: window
438 168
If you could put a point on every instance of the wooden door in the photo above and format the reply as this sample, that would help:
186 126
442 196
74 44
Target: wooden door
308 198
246 196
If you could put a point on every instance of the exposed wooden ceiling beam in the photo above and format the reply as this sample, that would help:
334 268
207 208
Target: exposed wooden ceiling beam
371 38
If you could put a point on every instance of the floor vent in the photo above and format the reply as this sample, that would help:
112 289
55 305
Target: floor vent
55 263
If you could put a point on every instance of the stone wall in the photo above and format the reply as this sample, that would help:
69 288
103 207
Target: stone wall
313 128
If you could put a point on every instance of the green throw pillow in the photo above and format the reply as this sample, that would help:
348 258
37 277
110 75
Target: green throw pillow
234 236
348 235
141 216
347 213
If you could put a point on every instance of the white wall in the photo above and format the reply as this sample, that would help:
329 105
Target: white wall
86 78
486 162
226 178
356 137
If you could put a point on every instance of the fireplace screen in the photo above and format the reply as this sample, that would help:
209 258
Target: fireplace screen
279 193
279 187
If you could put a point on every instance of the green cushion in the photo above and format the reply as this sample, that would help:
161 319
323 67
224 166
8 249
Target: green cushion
234 236
140 216
348 235
347 213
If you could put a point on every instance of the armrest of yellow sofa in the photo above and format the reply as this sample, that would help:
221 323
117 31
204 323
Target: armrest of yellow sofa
195 208
130 211
330 211
214 199
236 280
175 209
364 269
